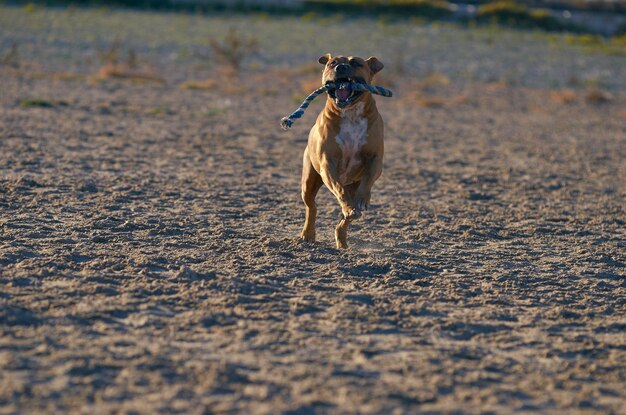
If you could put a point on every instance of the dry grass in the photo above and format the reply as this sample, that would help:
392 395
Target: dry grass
204 85
435 90
564 96
125 72
433 80
597 96
496 86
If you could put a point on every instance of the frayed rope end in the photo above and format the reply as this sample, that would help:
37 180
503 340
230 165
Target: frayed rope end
286 123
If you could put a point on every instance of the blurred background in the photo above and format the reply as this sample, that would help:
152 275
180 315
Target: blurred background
551 44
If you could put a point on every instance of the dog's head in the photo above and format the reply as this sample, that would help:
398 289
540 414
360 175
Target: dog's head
348 69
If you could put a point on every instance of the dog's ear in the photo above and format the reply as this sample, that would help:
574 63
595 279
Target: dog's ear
374 64
324 59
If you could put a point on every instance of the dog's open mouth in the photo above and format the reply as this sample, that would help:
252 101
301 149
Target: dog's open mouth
343 95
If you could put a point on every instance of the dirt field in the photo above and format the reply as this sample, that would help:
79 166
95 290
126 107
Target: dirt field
148 254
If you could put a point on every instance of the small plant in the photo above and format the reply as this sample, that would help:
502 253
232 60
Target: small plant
111 54
213 112
114 66
309 17
41 103
30 8
233 49
230 52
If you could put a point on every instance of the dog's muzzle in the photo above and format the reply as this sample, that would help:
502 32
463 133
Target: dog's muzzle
343 94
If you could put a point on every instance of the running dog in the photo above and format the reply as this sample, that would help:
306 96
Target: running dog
345 147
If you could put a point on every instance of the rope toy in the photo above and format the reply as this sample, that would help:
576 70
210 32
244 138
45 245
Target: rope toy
287 122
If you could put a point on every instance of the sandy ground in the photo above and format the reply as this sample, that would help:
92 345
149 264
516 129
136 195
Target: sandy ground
149 262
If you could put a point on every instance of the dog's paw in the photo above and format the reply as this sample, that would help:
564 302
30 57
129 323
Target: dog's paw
362 205
307 237
363 200
352 214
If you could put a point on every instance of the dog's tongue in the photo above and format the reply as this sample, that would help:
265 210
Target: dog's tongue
342 94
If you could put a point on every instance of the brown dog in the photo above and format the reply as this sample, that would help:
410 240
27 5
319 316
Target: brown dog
345 147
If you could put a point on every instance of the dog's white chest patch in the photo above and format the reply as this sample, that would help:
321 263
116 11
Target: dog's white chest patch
352 136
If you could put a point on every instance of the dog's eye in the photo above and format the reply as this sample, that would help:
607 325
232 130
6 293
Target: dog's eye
333 64
355 63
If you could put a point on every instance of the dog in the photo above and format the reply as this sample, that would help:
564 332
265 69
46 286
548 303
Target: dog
345 146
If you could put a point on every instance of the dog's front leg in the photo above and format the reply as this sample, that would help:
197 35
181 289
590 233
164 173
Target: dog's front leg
330 176
371 172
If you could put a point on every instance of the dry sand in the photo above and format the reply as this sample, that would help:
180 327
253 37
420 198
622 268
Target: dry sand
149 263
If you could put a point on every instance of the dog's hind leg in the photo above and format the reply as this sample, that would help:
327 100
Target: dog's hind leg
311 183
371 172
